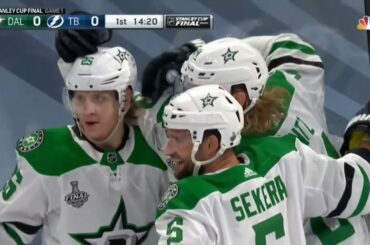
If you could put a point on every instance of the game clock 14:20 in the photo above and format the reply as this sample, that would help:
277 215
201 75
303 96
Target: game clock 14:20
146 21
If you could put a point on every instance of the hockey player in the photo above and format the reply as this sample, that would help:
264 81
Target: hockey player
294 88
274 113
219 201
88 183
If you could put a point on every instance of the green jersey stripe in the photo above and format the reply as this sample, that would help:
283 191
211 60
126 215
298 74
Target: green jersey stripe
292 45
13 234
330 149
364 193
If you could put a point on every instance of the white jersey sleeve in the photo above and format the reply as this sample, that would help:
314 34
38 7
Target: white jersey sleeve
23 200
289 53
334 187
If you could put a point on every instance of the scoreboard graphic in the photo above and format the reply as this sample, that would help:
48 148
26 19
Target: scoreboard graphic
54 18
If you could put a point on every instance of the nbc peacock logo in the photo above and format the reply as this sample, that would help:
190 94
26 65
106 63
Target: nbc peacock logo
363 24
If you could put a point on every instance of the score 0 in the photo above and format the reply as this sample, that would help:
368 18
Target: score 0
36 20
85 21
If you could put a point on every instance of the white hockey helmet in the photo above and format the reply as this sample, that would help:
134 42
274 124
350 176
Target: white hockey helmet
204 108
109 69
227 62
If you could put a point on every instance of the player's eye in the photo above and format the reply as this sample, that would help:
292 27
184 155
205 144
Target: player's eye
100 98
78 98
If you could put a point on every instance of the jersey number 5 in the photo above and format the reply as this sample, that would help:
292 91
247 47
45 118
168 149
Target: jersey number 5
174 230
275 224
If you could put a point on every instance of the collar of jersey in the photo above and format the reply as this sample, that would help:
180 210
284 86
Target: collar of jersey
122 154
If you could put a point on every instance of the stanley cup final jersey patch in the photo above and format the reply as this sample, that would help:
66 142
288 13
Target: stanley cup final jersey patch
76 198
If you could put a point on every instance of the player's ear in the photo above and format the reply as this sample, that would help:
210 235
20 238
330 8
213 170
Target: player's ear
128 99
241 96
211 145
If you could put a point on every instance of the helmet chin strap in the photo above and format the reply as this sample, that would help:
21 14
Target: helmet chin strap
250 106
198 164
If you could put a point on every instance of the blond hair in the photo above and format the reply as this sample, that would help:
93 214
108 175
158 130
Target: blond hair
268 112
131 115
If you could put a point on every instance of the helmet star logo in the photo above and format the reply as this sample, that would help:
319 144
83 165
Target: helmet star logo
121 56
208 100
229 55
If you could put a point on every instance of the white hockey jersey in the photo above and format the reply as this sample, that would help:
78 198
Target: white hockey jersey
294 65
236 207
80 195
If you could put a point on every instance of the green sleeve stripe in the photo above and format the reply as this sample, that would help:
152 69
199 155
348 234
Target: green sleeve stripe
292 45
364 194
330 149
13 234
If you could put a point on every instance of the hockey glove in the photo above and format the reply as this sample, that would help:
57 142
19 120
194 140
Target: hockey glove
163 70
71 44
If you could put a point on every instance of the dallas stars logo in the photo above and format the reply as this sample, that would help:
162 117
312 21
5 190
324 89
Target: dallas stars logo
208 100
31 142
1 20
229 55
121 56
119 231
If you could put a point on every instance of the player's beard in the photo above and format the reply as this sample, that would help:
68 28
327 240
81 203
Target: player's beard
182 168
